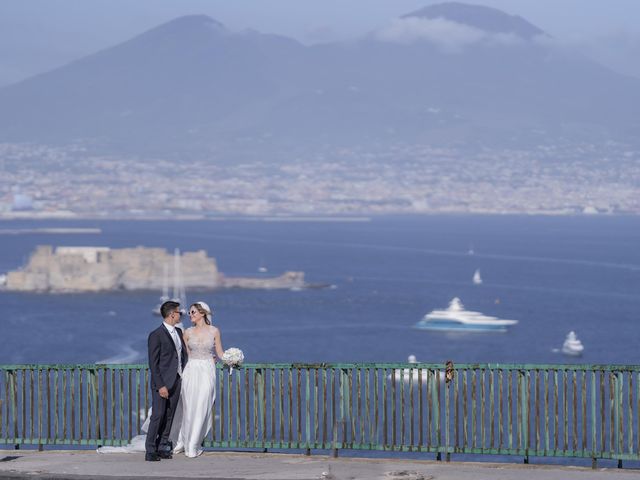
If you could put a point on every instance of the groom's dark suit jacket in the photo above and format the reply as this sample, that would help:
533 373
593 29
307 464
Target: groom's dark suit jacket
163 358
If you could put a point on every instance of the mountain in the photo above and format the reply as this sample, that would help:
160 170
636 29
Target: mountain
483 18
448 73
178 80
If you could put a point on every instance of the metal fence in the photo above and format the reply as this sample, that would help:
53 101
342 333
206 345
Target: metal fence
589 411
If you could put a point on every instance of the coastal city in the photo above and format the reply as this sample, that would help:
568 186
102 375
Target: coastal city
66 182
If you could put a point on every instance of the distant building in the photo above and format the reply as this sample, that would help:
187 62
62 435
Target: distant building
21 202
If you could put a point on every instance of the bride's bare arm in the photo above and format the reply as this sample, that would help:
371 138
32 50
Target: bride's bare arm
218 343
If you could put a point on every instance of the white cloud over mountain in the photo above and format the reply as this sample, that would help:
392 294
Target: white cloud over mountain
449 36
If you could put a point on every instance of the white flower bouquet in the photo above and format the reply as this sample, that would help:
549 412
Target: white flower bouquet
233 358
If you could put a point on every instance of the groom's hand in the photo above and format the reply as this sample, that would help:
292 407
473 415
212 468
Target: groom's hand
164 392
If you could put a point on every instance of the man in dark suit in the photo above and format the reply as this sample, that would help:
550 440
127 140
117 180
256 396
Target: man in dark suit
167 358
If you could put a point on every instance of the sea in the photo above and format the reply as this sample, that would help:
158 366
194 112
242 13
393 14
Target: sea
554 274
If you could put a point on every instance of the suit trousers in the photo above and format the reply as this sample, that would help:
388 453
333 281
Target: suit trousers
163 410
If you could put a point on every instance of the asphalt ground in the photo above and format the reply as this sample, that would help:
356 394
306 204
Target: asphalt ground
58 465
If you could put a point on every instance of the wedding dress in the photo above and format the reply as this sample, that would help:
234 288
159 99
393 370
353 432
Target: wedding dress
198 392
137 444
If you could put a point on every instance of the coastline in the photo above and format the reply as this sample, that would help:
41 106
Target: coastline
361 218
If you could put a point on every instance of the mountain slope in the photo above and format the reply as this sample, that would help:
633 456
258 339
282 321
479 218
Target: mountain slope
187 74
448 73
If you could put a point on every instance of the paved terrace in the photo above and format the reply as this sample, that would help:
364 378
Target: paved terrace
58 465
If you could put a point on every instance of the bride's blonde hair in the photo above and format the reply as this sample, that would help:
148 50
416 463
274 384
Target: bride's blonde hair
204 311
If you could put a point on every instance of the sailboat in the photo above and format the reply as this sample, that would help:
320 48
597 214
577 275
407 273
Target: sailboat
477 279
165 290
178 293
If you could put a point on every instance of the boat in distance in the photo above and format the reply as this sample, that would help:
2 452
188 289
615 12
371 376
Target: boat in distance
572 346
456 318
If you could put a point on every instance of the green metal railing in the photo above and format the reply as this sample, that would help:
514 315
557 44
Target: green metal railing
589 411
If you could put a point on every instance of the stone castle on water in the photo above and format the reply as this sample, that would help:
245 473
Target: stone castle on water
92 269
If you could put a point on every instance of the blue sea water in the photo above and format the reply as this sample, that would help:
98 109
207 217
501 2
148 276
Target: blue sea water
553 274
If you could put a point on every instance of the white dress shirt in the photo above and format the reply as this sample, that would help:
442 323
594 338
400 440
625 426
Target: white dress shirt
176 341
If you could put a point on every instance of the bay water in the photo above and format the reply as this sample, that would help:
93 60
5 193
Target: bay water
552 274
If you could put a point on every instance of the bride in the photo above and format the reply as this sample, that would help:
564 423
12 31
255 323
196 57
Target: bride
198 380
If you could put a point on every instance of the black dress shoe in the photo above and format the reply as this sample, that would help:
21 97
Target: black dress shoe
152 457
165 455
166 447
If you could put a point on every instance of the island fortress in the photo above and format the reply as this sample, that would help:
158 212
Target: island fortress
92 269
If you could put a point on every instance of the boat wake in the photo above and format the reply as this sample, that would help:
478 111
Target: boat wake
127 354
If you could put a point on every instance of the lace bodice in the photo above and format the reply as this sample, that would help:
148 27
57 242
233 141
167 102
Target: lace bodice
201 346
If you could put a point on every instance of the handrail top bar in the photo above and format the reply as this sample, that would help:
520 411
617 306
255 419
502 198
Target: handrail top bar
347 366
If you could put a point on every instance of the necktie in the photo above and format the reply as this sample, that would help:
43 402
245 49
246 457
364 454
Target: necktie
178 344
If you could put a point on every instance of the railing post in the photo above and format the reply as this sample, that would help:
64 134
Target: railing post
524 400
93 396
594 428
307 411
345 402
336 427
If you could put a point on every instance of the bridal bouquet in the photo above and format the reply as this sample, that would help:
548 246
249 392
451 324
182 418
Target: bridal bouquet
233 358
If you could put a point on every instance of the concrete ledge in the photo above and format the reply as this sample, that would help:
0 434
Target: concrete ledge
60 465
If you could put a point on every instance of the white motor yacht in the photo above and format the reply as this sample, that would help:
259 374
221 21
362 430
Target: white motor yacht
572 346
456 318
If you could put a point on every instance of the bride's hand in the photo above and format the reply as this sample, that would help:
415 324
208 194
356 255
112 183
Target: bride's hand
164 392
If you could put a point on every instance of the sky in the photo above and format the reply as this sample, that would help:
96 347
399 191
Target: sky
39 35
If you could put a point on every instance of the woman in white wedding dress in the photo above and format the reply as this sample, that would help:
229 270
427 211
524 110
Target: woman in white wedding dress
198 380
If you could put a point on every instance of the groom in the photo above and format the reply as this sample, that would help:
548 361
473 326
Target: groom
167 358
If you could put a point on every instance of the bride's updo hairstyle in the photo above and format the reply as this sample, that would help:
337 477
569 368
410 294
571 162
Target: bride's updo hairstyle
204 309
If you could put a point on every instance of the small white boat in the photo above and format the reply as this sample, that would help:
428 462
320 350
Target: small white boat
572 346
456 318
409 375
261 267
477 279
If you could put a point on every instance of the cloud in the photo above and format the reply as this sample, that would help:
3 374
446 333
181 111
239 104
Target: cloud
449 36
